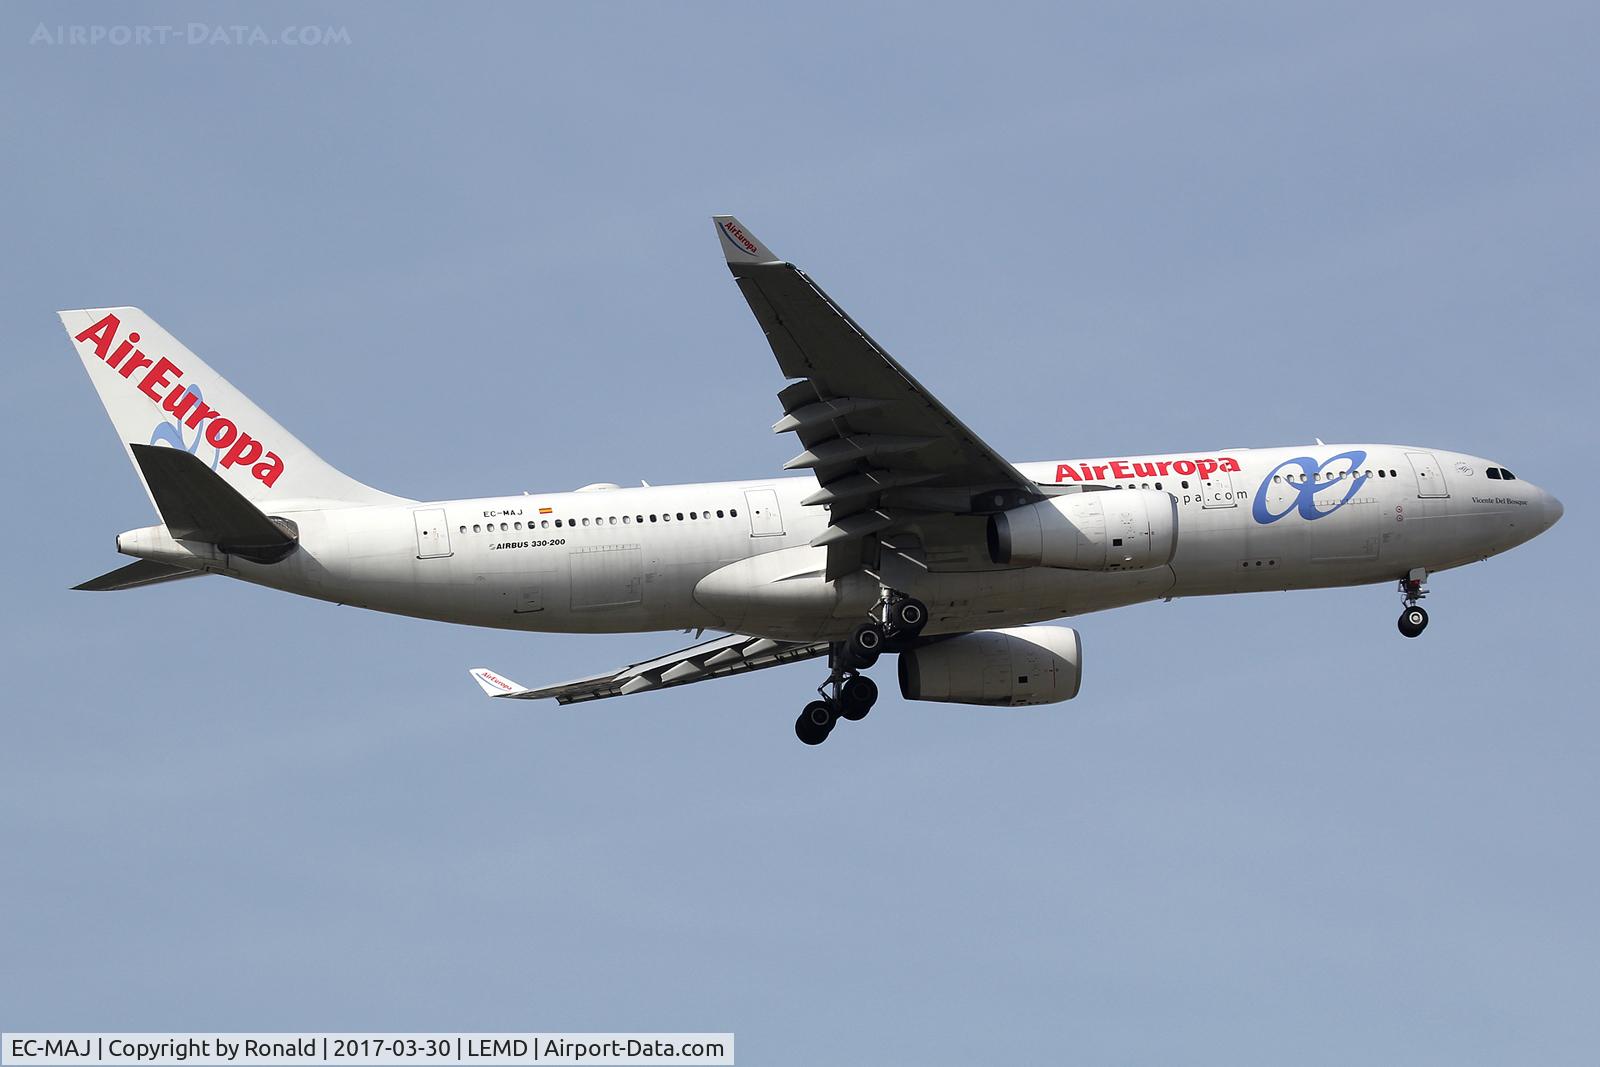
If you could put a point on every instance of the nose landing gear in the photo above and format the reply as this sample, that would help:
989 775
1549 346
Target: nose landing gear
896 620
1414 619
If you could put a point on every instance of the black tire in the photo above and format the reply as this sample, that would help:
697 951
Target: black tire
856 697
909 617
1413 621
816 722
865 645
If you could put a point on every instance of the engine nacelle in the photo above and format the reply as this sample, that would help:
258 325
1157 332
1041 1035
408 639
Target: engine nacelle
1111 530
1000 668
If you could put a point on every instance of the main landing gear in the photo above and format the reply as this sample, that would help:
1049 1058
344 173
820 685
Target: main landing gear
1413 620
849 694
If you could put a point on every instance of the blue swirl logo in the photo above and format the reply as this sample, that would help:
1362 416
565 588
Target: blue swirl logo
1310 484
171 433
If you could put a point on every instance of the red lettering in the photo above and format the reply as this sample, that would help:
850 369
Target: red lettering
1207 466
221 432
1164 466
1065 473
1144 470
1183 466
157 378
1119 469
1230 464
178 401
1099 472
201 412
123 349
267 471
245 450
101 334
135 362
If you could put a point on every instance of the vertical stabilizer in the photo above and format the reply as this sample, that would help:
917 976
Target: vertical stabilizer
157 392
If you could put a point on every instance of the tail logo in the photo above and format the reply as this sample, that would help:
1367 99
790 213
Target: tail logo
162 383
495 680
170 433
737 239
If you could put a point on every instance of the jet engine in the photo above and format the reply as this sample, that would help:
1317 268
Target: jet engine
1000 668
1111 530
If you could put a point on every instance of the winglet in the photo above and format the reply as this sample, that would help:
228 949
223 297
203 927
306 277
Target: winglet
494 685
739 245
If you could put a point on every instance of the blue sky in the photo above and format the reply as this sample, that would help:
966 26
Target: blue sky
467 252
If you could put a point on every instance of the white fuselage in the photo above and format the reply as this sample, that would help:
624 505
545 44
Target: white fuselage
735 556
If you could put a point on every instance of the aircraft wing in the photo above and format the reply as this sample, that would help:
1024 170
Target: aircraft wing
734 654
883 448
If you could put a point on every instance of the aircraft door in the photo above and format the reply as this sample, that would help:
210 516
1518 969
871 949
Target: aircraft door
762 506
1430 477
530 596
433 536
1217 491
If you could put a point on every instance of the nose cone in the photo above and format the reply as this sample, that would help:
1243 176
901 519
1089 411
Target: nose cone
1552 510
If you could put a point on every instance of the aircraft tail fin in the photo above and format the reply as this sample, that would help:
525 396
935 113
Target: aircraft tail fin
158 393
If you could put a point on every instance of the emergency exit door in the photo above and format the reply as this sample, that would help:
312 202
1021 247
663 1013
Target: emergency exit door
433 537
762 506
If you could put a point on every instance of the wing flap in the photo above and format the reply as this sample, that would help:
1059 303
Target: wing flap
866 425
734 654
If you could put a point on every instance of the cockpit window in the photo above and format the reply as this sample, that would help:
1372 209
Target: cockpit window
1493 472
1507 475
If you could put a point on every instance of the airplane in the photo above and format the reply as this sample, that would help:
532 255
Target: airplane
901 533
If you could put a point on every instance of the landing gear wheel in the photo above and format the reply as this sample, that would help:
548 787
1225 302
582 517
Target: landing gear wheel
865 645
908 617
815 722
1413 621
856 697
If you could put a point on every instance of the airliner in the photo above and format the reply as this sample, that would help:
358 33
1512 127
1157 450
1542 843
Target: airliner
899 533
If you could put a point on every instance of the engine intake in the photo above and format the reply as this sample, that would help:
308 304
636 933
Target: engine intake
1113 530
1009 668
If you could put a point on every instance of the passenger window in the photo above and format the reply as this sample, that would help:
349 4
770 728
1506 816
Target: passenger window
586 522
1158 485
692 515
626 519
680 516
1393 473
613 520
719 513
638 519
734 512
463 529
1186 483
516 526
504 527
544 524
652 518
476 528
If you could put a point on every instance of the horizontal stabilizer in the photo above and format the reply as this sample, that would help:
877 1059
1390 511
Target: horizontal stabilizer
139 573
198 505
